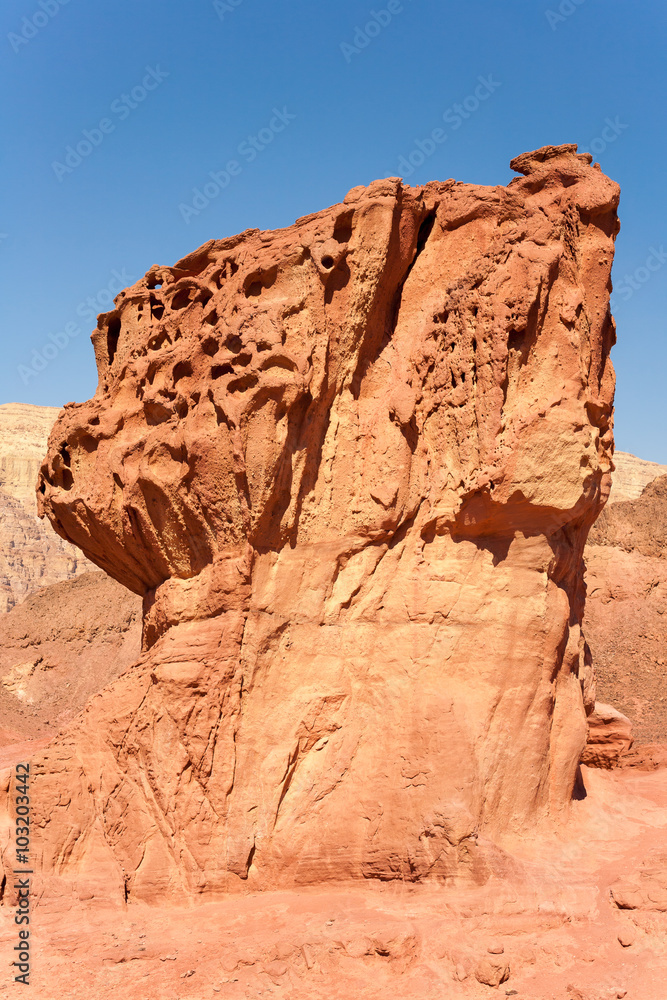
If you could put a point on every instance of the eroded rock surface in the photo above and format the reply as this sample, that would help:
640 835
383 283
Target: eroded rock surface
350 467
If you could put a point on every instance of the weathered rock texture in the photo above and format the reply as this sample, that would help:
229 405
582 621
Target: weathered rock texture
350 466
31 554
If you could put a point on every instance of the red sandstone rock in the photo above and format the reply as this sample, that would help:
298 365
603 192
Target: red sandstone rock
350 466
609 737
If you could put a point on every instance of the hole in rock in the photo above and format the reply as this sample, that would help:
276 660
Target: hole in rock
113 333
343 227
156 412
234 343
243 384
263 345
453 381
279 361
88 443
212 318
64 454
210 346
327 262
474 344
515 340
256 283
117 480
217 371
182 370
156 342
181 299
68 479
42 487
157 308
243 360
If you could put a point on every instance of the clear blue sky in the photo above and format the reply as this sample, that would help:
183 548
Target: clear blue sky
181 86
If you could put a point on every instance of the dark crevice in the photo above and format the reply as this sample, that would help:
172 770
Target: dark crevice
425 230
343 227
113 333
251 856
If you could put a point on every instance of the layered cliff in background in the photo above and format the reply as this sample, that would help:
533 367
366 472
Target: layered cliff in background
631 475
350 467
31 554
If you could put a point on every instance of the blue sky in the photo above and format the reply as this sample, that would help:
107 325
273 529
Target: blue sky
169 92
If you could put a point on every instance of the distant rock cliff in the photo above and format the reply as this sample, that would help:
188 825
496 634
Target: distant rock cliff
631 475
31 554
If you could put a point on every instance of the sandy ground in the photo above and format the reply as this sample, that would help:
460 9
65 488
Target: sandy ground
546 923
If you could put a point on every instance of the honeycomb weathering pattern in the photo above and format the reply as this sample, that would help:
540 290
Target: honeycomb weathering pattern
350 466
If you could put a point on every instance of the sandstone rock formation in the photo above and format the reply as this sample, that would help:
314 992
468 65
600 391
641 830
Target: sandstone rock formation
31 554
350 467
609 737
62 645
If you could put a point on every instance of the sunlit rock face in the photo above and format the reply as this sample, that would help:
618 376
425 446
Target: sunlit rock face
350 466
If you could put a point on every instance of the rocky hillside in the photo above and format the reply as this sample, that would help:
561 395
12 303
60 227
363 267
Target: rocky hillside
59 647
31 554
626 608
631 475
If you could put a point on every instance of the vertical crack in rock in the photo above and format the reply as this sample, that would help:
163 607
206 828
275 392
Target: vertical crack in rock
350 466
